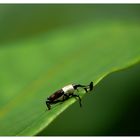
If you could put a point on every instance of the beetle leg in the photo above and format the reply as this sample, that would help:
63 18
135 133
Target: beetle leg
65 97
48 104
74 95
85 89
91 86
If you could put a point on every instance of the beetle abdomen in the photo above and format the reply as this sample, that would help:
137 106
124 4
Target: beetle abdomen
56 95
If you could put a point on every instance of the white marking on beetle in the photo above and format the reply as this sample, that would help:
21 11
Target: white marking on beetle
68 89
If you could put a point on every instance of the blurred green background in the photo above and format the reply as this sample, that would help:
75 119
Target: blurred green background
113 107
23 21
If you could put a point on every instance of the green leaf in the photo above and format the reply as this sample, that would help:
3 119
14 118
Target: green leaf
33 69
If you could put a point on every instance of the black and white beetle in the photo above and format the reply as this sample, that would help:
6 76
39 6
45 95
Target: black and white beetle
65 93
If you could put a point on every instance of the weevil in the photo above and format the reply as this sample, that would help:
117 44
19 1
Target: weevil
67 92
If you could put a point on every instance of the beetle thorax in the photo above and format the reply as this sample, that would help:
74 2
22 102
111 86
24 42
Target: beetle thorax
69 89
